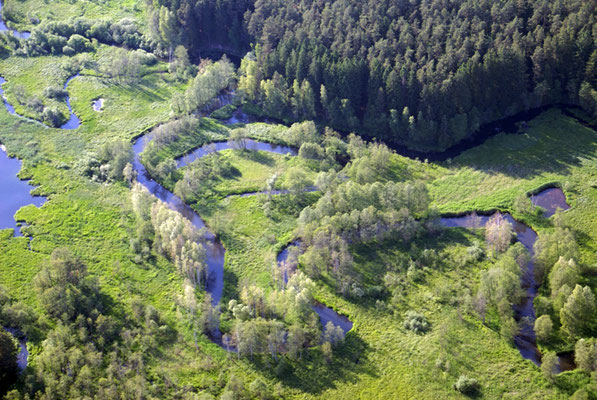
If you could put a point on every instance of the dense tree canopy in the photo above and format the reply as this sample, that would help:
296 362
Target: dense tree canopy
422 73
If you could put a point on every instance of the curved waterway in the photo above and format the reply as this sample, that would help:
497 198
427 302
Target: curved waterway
219 146
3 27
214 248
326 314
73 121
525 341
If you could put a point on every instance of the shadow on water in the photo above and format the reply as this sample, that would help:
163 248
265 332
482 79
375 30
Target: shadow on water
23 355
509 125
550 151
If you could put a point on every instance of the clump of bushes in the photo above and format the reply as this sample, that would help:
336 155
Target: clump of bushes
52 116
77 36
467 386
416 322
53 92
113 163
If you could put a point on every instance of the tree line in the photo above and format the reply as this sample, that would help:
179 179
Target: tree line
421 73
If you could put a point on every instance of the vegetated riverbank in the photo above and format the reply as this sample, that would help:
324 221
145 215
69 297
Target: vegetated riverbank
16 193
384 363
214 248
551 199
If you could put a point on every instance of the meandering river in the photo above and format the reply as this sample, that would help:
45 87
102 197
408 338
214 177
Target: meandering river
550 199
17 194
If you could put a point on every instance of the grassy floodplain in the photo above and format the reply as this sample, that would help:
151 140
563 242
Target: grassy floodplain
380 359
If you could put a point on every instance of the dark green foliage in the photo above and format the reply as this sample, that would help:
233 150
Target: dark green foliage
224 113
467 386
74 36
451 66
578 313
64 288
8 361
416 322
55 92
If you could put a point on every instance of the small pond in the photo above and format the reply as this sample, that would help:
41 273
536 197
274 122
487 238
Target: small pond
97 104
550 200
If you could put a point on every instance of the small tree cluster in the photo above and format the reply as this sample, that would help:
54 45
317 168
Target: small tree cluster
416 322
208 83
498 233
201 175
500 287
467 386
282 322
550 246
74 36
112 163
180 241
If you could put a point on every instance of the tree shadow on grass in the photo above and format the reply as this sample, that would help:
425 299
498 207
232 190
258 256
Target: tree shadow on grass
555 143
313 375
260 157
230 286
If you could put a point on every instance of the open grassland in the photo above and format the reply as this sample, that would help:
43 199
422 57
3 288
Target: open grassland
26 79
556 150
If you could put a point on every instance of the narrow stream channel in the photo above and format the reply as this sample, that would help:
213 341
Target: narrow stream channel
18 193
214 248
73 121
23 355
525 341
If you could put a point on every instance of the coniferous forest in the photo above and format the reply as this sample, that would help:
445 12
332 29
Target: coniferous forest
421 73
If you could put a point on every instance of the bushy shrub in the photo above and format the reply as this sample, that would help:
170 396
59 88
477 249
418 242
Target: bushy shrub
78 43
467 386
311 151
52 116
416 322
145 58
55 92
